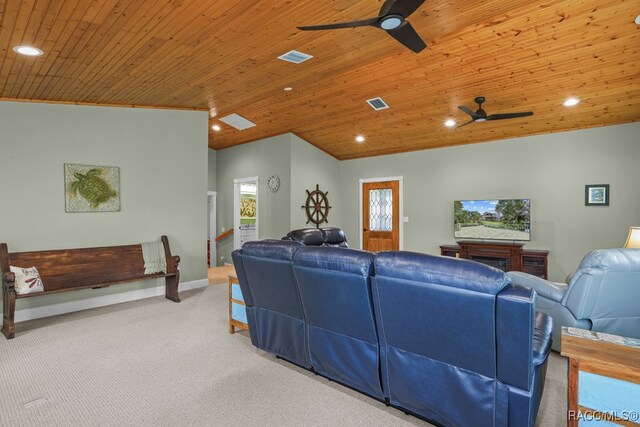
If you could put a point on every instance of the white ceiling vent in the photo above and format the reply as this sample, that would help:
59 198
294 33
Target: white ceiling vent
377 104
295 57
236 121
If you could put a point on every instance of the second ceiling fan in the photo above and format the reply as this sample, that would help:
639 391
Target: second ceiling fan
481 116
391 18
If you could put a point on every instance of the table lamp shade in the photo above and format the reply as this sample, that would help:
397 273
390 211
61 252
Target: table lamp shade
633 241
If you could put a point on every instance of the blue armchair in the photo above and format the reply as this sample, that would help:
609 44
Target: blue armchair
603 294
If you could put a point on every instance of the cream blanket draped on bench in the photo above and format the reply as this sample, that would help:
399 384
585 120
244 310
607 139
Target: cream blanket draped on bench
154 257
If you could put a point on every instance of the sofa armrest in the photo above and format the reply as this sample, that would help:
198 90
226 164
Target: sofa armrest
550 290
542 329
515 332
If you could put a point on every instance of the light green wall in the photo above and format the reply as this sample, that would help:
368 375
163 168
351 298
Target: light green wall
550 169
299 165
162 157
262 159
311 166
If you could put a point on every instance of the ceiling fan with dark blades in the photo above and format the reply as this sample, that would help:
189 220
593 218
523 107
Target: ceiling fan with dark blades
391 18
481 116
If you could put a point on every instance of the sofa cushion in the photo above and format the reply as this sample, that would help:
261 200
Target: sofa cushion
272 249
277 311
307 236
459 273
335 289
334 236
347 260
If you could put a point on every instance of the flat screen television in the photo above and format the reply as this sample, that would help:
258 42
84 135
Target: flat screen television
507 219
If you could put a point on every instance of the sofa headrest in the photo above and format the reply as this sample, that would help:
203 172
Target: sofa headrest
336 259
307 236
626 260
333 235
273 249
447 271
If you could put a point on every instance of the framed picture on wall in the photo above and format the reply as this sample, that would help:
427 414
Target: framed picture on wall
596 195
90 188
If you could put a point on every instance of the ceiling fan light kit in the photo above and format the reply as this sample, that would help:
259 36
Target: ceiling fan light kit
391 22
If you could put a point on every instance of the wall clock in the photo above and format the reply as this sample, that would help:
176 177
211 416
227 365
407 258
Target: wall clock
273 183
317 206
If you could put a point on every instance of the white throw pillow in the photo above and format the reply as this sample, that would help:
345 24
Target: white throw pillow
27 280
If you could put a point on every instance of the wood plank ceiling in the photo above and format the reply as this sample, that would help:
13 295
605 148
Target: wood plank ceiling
220 55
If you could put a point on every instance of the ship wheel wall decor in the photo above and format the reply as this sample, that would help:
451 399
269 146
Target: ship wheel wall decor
317 206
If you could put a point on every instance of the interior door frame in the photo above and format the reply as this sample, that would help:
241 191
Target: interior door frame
400 180
213 227
236 207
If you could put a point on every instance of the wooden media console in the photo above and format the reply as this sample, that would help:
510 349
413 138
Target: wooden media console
505 256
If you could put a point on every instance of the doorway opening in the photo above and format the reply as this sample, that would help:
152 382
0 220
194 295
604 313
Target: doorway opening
381 214
245 210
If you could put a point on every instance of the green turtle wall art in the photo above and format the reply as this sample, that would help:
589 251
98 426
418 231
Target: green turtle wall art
91 188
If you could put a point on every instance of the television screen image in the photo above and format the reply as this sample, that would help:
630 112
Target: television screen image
508 219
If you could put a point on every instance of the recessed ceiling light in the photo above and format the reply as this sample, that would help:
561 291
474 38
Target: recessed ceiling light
571 102
28 50
450 123
359 138
288 89
216 128
637 20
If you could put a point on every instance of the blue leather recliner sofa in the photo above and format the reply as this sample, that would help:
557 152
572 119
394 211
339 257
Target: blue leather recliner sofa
603 294
449 340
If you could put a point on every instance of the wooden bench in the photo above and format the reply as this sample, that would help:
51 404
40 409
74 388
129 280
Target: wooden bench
70 269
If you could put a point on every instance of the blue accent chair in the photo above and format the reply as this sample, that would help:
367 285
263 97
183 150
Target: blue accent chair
603 294
274 310
335 287
459 344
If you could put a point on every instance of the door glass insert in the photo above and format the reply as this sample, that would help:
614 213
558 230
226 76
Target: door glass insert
381 210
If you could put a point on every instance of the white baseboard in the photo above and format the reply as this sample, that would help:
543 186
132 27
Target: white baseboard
101 301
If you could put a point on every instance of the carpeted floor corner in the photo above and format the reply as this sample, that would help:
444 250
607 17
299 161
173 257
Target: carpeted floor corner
154 362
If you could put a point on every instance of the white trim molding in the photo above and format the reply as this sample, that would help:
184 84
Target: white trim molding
31 313
400 179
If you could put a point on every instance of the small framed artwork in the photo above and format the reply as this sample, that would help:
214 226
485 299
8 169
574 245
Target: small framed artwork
596 195
91 188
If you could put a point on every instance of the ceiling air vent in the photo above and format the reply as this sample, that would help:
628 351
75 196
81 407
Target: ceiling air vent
295 57
377 104
236 121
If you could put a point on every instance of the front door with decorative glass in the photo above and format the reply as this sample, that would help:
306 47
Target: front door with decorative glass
381 216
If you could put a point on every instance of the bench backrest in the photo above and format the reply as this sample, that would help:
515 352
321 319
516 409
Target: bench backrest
64 269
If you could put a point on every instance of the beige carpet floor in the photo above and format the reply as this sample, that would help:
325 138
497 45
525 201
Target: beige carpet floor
154 362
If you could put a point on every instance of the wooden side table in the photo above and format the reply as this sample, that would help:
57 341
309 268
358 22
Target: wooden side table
604 378
237 312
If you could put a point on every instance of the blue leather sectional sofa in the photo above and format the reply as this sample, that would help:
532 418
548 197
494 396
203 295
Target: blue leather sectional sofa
449 340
